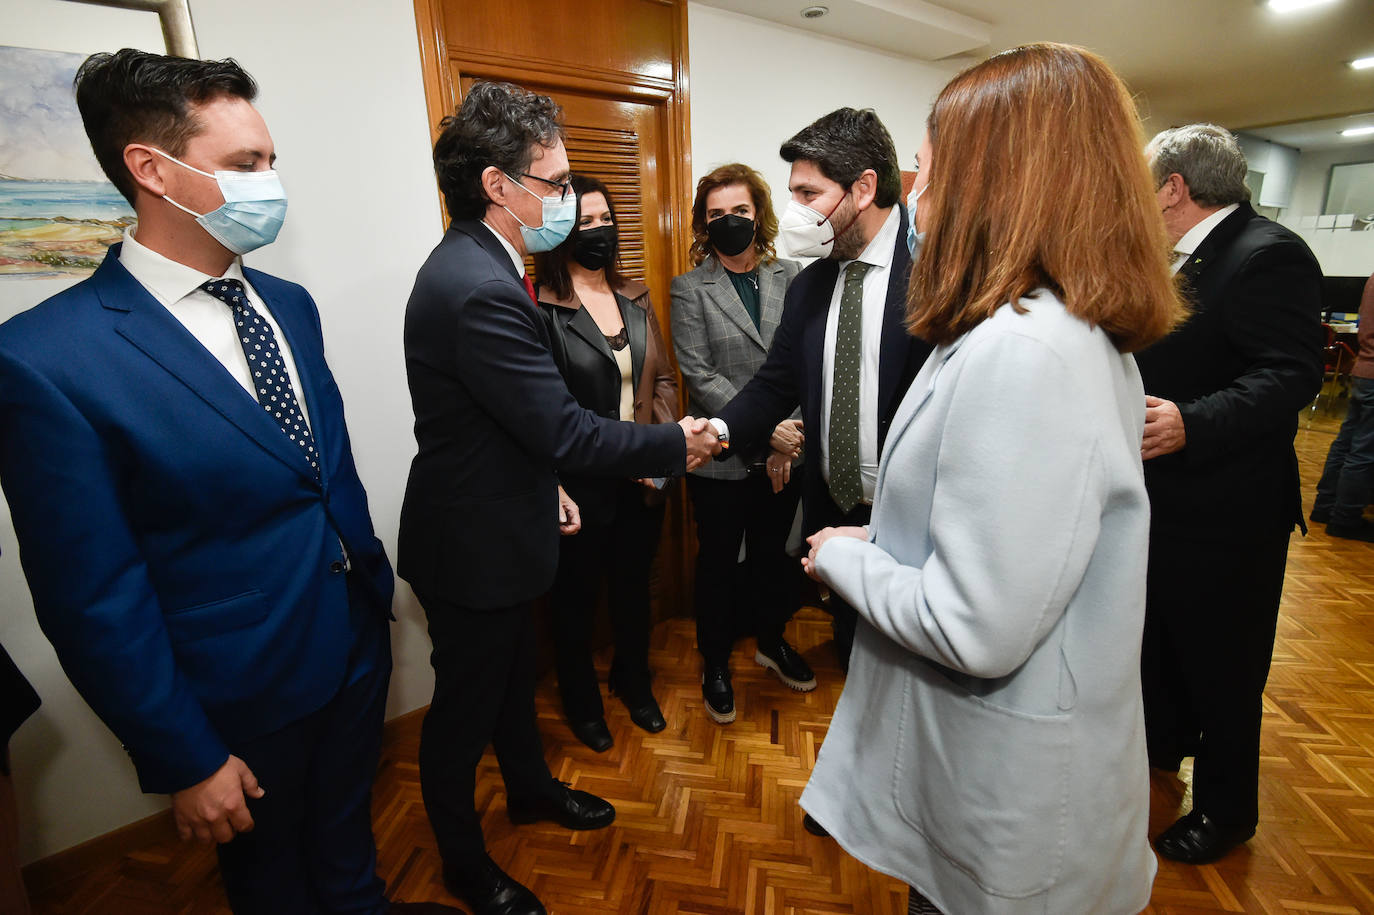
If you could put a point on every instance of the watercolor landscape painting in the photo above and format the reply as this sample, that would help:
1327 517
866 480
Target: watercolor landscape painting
58 214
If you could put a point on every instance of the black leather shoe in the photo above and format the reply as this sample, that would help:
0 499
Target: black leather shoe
422 908
639 700
564 805
1320 515
645 713
719 695
593 733
816 829
1360 530
783 660
488 890
1195 839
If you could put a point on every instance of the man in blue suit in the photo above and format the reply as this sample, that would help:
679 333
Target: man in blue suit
190 520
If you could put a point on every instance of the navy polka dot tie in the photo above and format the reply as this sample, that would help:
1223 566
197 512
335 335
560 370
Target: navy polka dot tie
270 378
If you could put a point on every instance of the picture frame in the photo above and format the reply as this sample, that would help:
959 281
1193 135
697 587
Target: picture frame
1350 190
178 31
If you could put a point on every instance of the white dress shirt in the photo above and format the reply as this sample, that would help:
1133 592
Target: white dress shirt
510 249
878 255
209 320
1186 245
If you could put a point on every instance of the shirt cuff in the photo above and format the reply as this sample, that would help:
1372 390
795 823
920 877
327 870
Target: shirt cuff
722 430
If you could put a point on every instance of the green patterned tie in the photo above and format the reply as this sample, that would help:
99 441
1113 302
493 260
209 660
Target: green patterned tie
846 485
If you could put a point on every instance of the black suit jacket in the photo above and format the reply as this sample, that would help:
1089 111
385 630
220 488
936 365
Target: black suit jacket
494 421
792 373
1240 369
589 367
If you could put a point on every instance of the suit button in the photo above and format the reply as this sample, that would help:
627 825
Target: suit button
336 566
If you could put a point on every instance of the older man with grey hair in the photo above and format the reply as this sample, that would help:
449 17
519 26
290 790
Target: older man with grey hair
1222 398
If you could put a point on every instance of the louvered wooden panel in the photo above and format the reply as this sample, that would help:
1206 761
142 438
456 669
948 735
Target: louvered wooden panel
614 157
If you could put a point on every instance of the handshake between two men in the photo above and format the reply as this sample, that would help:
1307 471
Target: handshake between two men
702 445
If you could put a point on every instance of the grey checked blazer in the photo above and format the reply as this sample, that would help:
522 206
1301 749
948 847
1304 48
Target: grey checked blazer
718 348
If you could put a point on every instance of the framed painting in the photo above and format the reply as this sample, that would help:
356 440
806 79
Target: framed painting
58 214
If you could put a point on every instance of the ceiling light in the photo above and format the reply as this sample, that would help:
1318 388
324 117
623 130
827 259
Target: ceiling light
1364 63
1288 6
814 12
1357 131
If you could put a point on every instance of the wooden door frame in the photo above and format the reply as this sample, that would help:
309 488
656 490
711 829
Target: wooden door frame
441 97
437 61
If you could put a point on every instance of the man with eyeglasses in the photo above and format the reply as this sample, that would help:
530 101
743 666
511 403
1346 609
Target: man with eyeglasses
482 512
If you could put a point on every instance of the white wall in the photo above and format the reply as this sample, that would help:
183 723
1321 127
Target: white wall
1277 162
1341 252
1314 168
754 84
343 97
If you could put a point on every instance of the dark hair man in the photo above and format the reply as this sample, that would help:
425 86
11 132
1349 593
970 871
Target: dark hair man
495 421
1222 399
841 351
190 520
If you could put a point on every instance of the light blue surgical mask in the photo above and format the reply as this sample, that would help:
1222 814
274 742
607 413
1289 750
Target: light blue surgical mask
560 213
914 239
253 211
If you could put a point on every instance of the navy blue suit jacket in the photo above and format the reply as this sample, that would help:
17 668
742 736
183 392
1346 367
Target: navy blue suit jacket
791 376
183 559
1242 366
494 422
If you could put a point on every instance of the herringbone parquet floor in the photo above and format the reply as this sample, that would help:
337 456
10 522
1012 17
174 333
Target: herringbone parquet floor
708 823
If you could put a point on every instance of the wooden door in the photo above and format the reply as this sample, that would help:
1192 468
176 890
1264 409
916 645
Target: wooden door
619 69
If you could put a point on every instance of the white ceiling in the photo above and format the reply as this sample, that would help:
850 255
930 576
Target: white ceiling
1233 62
1319 134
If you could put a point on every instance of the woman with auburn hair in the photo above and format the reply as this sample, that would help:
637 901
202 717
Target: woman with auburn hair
989 747
724 314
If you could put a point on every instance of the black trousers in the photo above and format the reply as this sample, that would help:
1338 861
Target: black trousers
1211 611
484 681
843 617
768 583
311 849
618 550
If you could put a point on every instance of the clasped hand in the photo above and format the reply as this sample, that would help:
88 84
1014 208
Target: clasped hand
216 809
818 539
788 438
1164 432
702 443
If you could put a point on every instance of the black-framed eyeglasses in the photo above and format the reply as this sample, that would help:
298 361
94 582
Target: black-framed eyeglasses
564 187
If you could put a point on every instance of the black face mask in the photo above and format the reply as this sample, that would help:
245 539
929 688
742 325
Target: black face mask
595 248
730 234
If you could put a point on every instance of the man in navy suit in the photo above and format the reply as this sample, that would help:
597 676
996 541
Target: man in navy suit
495 421
845 171
190 520
1223 393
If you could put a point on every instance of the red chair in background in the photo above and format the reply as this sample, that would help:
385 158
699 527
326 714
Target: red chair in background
1337 361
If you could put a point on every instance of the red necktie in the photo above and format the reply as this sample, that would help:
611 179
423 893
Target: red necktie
529 287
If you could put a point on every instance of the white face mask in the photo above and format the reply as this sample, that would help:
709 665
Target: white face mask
806 232
914 239
253 211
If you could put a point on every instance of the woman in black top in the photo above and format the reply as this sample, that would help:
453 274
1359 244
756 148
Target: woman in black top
607 343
